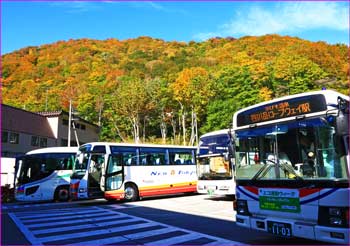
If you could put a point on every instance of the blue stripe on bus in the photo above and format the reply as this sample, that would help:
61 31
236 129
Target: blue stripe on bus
319 197
247 194
301 203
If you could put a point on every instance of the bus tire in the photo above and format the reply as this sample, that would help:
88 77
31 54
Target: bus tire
62 194
131 193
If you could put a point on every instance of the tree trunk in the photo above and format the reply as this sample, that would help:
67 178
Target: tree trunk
136 128
192 128
173 124
183 116
163 129
119 133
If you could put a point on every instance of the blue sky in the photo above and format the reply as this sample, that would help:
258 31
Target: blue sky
35 23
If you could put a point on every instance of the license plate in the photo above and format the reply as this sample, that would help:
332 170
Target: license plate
279 228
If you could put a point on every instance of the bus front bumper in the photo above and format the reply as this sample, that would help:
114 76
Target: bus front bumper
298 229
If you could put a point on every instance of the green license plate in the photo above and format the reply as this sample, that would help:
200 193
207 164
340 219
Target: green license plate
279 228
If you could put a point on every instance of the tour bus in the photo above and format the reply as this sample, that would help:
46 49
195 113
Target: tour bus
292 166
44 174
215 169
129 172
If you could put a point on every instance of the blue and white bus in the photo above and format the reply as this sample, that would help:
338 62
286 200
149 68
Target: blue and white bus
215 163
292 166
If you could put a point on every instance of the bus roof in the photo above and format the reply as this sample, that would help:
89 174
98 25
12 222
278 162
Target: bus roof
213 133
53 150
138 145
330 95
331 99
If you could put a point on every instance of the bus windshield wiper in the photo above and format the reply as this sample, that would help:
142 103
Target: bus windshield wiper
263 170
290 169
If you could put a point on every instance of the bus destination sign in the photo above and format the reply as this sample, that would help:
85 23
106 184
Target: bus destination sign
283 109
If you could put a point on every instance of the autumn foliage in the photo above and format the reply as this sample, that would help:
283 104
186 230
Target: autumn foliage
149 90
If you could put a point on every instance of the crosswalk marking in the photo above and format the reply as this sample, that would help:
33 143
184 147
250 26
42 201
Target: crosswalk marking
177 239
86 226
66 217
101 225
68 222
46 214
95 232
25 205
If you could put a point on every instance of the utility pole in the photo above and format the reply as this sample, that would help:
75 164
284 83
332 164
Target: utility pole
46 101
69 120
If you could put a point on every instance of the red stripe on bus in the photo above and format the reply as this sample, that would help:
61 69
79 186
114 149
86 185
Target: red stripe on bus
302 192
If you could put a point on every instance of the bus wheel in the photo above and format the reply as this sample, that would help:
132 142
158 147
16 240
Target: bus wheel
131 193
62 194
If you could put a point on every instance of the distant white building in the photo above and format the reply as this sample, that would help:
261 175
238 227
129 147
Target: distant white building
23 131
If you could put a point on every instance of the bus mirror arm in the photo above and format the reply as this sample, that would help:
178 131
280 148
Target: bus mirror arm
341 130
227 156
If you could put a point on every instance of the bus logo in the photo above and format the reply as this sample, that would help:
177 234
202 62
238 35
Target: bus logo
283 200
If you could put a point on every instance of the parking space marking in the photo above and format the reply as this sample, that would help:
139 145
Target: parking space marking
97 225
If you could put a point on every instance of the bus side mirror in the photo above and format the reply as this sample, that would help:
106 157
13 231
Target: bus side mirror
341 125
342 120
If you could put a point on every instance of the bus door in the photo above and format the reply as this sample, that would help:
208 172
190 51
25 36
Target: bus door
114 177
95 174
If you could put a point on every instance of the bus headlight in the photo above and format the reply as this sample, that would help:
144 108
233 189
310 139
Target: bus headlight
335 221
334 216
242 207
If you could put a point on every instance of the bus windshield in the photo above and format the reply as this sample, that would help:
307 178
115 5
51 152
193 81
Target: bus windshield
296 150
213 158
87 160
80 165
38 166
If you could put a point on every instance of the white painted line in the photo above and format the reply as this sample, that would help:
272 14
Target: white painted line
66 231
86 226
102 241
67 217
94 233
175 239
33 240
55 213
68 222
144 234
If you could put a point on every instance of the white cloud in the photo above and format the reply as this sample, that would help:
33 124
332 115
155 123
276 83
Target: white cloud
286 18
76 6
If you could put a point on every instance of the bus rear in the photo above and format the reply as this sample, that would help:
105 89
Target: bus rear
292 159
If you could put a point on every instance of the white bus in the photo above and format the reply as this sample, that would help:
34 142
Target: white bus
132 171
292 166
215 168
44 174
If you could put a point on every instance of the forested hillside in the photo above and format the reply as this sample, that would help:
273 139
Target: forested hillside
149 90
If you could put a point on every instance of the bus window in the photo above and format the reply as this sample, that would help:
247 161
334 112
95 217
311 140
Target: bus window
180 156
129 154
152 156
99 149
